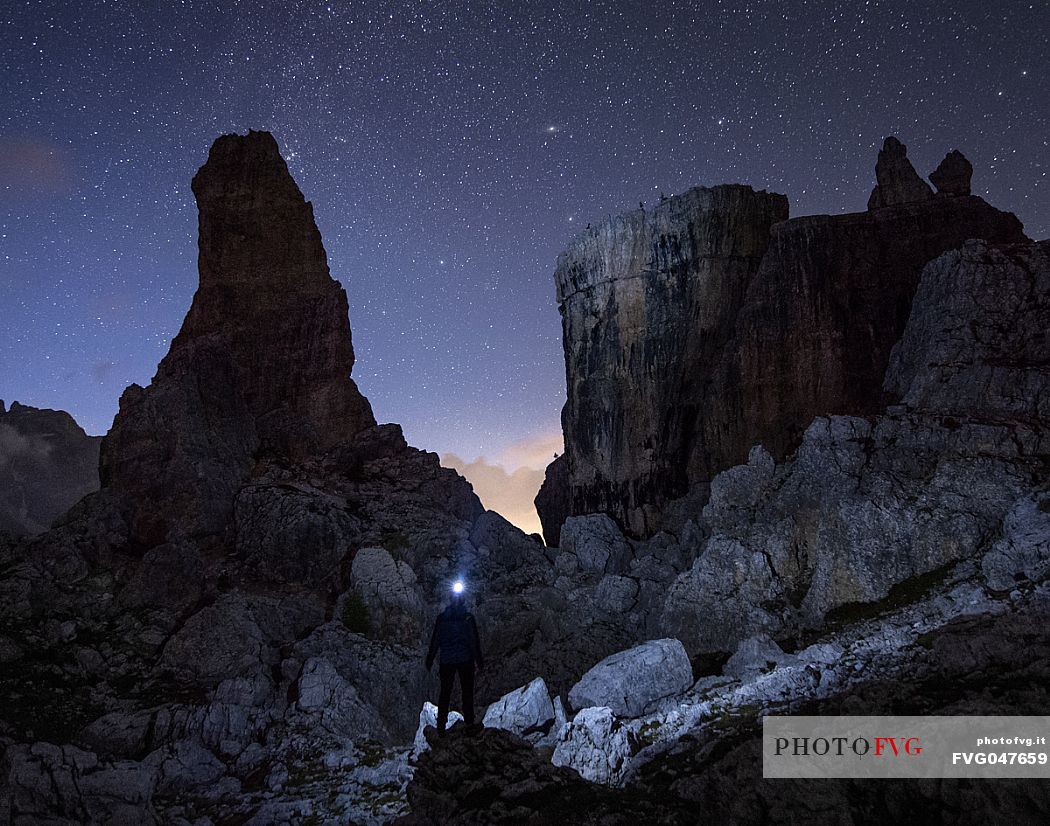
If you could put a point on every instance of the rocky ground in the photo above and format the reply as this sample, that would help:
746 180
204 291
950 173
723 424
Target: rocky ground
961 648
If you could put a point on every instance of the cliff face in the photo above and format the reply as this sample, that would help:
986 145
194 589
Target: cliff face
675 369
830 300
645 298
261 366
47 463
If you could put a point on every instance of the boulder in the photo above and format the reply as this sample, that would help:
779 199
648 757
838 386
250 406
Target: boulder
594 744
389 679
118 733
743 486
389 589
1023 550
428 719
821 654
527 710
505 543
952 175
630 681
616 593
324 692
183 766
219 641
597 543
754 656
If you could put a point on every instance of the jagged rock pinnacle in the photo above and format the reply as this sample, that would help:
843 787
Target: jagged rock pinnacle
952 175
261 366
898 182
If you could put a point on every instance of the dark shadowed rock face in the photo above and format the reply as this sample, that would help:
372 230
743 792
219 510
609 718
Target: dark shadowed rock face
897 180
552 500
472 776
261 366
866 503
977 345
683 354
830 300
264 282
952 175
47 463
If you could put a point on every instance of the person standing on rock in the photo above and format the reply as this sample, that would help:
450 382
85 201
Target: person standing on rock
456 638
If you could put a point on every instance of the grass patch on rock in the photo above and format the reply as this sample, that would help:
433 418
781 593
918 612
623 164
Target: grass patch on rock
356 616
902 594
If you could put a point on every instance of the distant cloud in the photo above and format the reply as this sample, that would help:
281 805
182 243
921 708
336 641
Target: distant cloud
508 483
14 445
535 452
509 494
33 166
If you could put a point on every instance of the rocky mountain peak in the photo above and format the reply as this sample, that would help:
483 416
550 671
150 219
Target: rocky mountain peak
952 175
266 288
245 195
261 366
897 180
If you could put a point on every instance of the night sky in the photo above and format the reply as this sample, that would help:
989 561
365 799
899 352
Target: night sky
451 149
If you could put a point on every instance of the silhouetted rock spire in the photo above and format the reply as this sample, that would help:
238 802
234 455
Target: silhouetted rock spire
952 175
261 366
898 182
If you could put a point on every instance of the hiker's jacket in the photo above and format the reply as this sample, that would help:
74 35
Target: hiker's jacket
456 637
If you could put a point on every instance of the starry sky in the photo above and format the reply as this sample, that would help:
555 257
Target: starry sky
451 149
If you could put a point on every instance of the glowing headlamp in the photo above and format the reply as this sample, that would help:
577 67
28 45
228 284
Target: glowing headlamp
457 586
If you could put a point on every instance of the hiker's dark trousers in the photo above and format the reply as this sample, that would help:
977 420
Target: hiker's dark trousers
466 688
